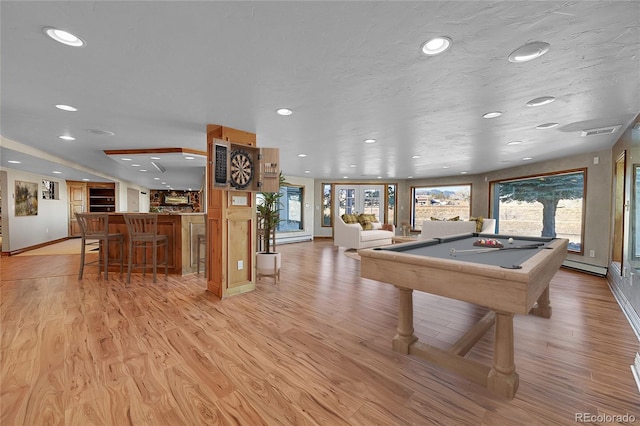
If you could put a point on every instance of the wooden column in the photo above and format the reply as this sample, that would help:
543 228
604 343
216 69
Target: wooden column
231 220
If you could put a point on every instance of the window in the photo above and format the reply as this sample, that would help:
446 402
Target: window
550 205
441 202
49 190
379 200
326 204
290 209
391 204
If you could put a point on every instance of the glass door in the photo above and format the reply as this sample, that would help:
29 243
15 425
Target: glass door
355 199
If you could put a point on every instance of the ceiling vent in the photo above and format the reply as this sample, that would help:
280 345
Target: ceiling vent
600 131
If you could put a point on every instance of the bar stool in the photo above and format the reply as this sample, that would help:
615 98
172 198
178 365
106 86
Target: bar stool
143 233
94 230
202 240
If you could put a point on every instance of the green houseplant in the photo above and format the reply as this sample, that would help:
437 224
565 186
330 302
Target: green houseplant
268 209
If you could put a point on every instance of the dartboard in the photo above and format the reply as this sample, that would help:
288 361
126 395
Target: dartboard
241 169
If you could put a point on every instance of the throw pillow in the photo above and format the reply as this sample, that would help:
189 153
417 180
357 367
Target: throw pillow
435 218
455 219
350 218
366 220
387 227
479 220
376 225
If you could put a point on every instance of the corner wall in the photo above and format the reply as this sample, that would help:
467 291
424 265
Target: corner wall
50 224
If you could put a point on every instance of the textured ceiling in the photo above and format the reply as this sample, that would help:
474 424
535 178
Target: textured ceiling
156 73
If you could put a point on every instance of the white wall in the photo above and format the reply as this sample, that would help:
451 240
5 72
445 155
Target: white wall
50 224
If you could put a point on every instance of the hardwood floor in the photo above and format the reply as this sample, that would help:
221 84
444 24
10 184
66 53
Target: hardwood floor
313 349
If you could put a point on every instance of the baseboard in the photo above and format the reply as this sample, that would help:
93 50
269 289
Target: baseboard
600 271
37 246
294 239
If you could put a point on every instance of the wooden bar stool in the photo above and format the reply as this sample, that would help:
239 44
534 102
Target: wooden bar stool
143 234
94 229
202 240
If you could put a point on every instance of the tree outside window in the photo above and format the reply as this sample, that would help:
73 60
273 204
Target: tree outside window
549 205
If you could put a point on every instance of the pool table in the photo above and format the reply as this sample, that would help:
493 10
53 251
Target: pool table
508 274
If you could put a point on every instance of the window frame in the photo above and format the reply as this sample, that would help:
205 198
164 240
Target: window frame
583 170
412 206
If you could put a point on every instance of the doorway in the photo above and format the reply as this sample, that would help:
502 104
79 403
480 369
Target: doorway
368 199
620 204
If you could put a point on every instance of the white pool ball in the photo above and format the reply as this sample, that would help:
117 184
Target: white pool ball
510 240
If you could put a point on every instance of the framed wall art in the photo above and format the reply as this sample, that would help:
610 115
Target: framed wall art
26 198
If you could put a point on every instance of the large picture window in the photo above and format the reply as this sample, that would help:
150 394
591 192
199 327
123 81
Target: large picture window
440 202
550 205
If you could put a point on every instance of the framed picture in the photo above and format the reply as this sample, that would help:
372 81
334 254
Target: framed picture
26 198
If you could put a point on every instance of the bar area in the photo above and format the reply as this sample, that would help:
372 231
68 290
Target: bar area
182 230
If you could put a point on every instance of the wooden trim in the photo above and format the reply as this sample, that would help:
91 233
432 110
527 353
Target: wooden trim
154 151
37 246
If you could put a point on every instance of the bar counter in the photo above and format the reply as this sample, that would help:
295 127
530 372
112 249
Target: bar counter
182 230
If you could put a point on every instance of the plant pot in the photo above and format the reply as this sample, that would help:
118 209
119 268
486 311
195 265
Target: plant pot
268 264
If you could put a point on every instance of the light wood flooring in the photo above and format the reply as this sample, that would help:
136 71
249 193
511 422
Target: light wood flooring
313 349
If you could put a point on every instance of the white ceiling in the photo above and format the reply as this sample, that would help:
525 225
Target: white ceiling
156 73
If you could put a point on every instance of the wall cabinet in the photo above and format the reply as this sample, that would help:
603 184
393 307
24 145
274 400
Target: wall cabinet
102 197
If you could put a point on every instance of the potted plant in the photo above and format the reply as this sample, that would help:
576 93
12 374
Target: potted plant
267 262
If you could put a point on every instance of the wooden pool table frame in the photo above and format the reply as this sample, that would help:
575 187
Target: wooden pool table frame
504 291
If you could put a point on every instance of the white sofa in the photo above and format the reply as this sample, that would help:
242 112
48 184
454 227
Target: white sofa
443 228
352 236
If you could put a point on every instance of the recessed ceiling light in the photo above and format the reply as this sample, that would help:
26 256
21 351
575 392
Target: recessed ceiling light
189 189
135 165
156 178
14 162
544 100
345 177
66 108
409 177
445 167
67 138
415 156
142 170
86 180
307 171
154 158
302 155
164 183
64 37
514 143
379 177
100 132
529 52
463 173
352 165
369 141
436 45
125 159
527 158
284 111
546 126
492 114
57 172
189 158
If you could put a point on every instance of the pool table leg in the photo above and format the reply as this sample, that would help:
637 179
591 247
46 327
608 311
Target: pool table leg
503 379
543 307
405 337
